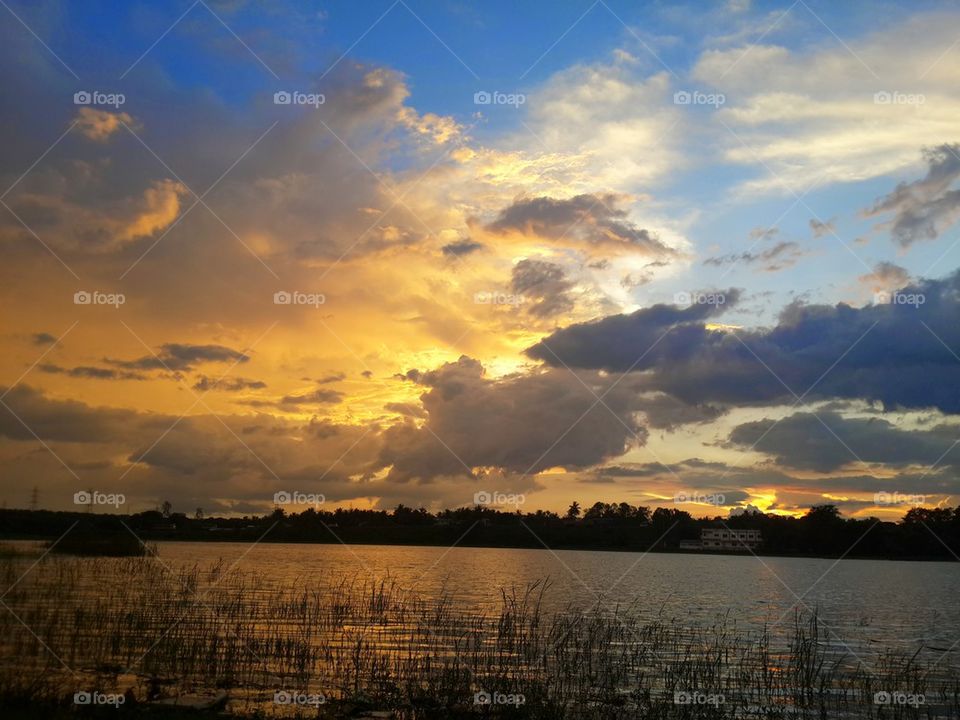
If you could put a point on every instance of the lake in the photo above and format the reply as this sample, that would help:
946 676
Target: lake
430 629
868 604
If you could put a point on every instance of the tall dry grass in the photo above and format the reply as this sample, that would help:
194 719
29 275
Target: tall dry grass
119 624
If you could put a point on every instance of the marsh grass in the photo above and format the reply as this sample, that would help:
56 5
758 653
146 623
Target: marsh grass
133 624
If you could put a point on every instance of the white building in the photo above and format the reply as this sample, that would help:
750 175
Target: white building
727 539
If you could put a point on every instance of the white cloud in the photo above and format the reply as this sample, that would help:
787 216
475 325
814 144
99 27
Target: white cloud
803 115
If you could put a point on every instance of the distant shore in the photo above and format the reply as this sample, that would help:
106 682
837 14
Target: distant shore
658 551
928 535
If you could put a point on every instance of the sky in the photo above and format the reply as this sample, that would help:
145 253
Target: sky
695 255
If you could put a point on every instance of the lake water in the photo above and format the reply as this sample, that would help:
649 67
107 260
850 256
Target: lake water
867 605
616 631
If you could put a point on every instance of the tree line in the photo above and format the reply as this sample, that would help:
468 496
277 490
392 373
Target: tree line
922 533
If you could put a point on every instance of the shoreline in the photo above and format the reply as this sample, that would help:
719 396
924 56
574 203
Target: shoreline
658 551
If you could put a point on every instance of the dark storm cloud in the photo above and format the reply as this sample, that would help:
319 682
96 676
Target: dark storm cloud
828 441
461 248
619 342
896 354
91 373
925 208
666 412
519 423
179 356
593 219
544 287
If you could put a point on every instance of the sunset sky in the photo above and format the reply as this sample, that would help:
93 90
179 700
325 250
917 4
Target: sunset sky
613 251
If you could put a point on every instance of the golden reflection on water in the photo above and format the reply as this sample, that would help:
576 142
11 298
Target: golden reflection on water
340 621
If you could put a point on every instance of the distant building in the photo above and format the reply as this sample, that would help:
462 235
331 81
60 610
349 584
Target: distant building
727 539
724 539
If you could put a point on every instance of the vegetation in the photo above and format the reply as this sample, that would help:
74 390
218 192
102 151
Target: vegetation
100 540
138 628
921 533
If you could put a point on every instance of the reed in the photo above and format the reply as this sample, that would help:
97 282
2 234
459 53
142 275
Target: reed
134 625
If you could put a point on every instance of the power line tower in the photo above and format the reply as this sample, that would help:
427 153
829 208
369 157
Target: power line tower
35 498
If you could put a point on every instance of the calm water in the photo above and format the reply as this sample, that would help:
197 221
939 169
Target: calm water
868 605
270 615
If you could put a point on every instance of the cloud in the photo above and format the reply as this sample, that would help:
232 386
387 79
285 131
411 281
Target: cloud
606 125
99 125
314 397
408 409
779 257
521 424
195 460
227 384
545 284
655 469
591 221
439 129
925 208
885 276
621 342
27 413
159 208
808 113
895 354
91 373
461 248
43 338
827 441
70 221
181 356
821 228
